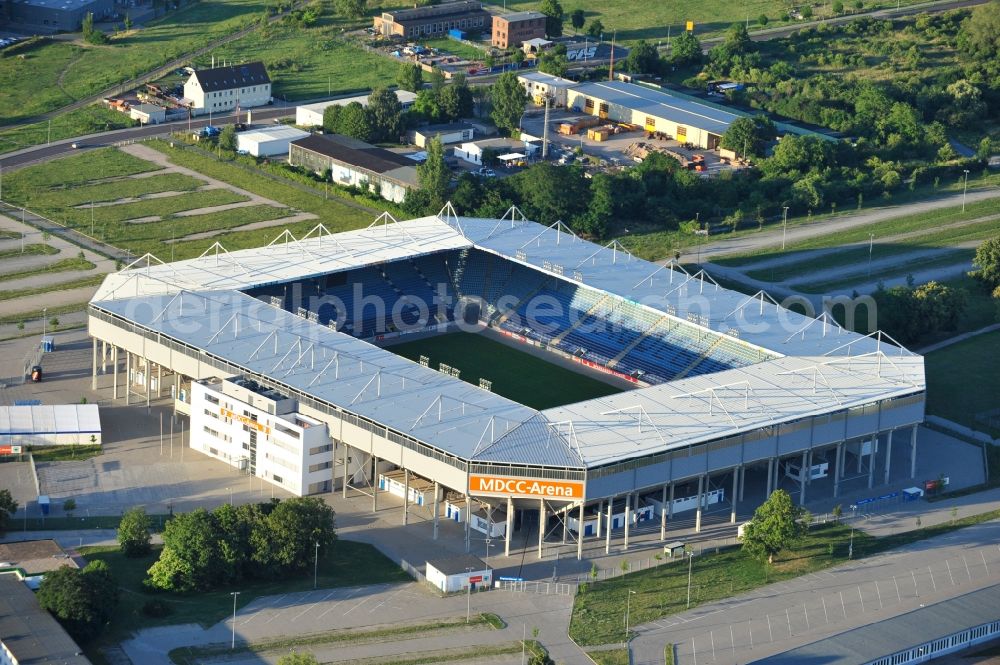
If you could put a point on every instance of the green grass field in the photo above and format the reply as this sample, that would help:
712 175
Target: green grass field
55 73
349 563
80 122
515 375
964 379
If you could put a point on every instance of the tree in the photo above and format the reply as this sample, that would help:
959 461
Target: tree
807 11
134 532
82 600
190 558
762 20
837 7
410 77
746 136
685 49
554 61
227 138
509 98
577 18
331 118
296 658
434 175
643 58
385 112
938 306
553 17
428 104
774 525
986 264
355 122
351 8
596 29
128 22
286 538
8 506
92 35
980 33
456 99
69 505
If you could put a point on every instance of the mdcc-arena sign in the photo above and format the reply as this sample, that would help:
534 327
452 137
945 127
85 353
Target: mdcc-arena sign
525 488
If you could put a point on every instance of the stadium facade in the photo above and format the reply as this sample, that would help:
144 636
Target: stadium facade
719 383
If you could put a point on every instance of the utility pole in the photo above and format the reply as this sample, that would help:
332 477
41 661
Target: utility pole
315 565
468 602
234 594
965 188
871 244
545 131
91 218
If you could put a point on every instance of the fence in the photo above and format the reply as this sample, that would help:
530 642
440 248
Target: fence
847 605
545 588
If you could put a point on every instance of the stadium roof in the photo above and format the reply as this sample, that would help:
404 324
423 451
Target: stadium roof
877 640
815 366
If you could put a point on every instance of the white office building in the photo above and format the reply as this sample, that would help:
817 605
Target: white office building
227 88
260 431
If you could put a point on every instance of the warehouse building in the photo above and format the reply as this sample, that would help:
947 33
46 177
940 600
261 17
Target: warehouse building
453 132
221 89
540 85
434 20
354 163
721 393
56 425
29 634
516 28
311 115
268 141
58 15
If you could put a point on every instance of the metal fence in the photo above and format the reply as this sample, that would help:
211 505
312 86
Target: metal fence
545 588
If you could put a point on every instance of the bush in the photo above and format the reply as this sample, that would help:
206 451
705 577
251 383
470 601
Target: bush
156 609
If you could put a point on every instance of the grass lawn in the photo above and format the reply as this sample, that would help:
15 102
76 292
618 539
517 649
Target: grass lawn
63 453
349 564
93 165
307 63
122 188
6 234
597 611
610 657
34 249
63 265
455 47
516 375
32 85
80 122
106 217
964 379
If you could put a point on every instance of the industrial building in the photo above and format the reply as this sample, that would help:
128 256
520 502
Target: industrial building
311 115
454 132
148 114
50 425
540 86
221 89
354 163
516 28
58 15
719 391
268 141
433 20
29 634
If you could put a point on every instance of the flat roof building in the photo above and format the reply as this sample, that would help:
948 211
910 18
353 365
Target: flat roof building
540 85
433 21
268 141
34 556
354 163
454 132
29 634
311 115
54 425
58 15
516 28
458 573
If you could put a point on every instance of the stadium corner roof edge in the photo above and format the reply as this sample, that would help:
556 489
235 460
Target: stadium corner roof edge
806 366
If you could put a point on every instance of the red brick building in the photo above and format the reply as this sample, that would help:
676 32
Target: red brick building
514 29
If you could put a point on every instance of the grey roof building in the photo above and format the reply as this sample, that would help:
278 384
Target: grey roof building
29 633
58 15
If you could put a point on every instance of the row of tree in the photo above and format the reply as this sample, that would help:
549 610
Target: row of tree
204 550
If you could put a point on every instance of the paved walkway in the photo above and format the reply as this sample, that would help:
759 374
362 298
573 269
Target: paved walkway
958 338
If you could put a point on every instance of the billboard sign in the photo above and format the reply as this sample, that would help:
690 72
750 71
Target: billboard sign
525 487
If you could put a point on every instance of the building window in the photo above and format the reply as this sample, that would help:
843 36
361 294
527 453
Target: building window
278 479
212 398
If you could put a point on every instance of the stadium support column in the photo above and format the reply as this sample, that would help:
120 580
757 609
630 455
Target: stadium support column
541 525
600 516
803 474
565 523
147 380
437 494
871 461
736 489
114 380
374 484
837 475
510 526
913 452
663 514
104 357
159 381
347 449
770 477
607 527
468 523
579 533
701 500
128 372
93 376
670 503
743 479
406 496
628 517
888 457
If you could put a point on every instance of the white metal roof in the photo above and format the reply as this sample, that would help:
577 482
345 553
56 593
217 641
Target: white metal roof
811 365
275 133
50 419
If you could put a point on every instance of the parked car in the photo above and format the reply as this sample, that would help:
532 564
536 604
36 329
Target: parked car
486 173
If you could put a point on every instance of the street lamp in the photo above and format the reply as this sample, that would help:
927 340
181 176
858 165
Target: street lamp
965 187
234 594
44 320
316 566
871 245
230 495
690 562
628 609
468 602
850 547
784 227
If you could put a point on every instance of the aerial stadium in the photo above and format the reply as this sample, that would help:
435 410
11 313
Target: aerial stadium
493 370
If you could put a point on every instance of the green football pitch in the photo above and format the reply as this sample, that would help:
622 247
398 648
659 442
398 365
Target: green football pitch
516 375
